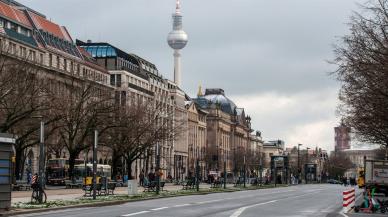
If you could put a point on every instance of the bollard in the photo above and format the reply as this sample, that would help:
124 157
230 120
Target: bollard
349 199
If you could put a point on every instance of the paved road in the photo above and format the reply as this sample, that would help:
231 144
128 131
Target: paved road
295 201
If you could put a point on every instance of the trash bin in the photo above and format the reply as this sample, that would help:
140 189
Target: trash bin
132 187
6 148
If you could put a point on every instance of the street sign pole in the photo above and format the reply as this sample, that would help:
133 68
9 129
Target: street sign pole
95 164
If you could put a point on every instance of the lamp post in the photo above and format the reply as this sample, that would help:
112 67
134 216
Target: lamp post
299 170
95 164
157 169
307 161
42 157
245 173
225 158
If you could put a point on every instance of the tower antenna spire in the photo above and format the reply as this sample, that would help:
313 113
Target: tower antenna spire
178 7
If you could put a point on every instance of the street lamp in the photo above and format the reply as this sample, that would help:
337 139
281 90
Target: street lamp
307 161
245 172
95 164
42 157
157 169
299 170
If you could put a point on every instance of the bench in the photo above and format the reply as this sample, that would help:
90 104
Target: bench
89 189
21 186
216 184
150 186
189 184
111 188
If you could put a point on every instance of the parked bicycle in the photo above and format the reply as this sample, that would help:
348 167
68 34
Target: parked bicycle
38 194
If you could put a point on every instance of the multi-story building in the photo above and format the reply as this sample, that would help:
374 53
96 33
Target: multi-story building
197 138
357 159
256 153
342 137
272 148
138 79
28 37
228 131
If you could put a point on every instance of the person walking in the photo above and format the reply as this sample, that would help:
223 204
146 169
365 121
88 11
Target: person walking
141 178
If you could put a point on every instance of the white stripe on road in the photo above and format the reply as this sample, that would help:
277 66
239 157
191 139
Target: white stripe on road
136 213
181 205
156 209
242 209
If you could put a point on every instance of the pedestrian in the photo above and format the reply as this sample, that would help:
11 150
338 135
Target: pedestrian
141 178
29 177
34 181
151 176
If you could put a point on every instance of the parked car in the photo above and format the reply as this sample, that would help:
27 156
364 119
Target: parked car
333 181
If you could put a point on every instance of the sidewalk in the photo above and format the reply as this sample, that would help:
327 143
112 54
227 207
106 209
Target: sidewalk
71 194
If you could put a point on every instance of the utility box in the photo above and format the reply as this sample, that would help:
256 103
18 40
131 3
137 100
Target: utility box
6 152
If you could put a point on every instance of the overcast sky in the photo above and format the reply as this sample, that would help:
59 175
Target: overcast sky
268 55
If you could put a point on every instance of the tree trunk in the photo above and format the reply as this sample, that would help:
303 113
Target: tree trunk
115 163
129 169
18 163
72 157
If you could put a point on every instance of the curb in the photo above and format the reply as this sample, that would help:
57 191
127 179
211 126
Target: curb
118 202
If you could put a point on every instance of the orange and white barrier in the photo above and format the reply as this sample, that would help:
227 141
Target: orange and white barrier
349 199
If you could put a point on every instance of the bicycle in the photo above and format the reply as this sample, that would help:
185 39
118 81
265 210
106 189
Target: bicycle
38 195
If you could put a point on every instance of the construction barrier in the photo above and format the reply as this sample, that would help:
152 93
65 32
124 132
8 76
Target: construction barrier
349 199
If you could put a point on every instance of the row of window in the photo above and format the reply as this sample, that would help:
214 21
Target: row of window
21 51
53 61
13 26
75 69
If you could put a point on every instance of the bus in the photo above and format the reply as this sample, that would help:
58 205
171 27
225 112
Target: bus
57 170
102 171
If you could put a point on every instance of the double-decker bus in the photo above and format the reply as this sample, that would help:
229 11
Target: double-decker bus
57 170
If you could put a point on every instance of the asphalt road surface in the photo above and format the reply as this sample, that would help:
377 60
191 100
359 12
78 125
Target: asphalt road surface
295 201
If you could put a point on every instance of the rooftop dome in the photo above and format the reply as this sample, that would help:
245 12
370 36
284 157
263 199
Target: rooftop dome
217 96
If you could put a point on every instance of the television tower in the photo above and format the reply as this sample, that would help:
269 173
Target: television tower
177 39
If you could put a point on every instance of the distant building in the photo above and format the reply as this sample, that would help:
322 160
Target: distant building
342 137
272 148
357 159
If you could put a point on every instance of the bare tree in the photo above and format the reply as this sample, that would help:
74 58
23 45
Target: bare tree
337 165
362 60
139 126
82 107
23 95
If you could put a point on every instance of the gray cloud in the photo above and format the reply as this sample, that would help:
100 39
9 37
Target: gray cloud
247 47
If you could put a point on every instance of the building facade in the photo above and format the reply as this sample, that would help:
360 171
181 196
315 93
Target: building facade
197 130
228 132
28 38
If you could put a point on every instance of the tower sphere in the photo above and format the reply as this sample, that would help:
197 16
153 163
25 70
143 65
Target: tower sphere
177 39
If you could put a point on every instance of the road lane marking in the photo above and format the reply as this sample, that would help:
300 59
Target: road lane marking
242 209
136 213
156 209
181 205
